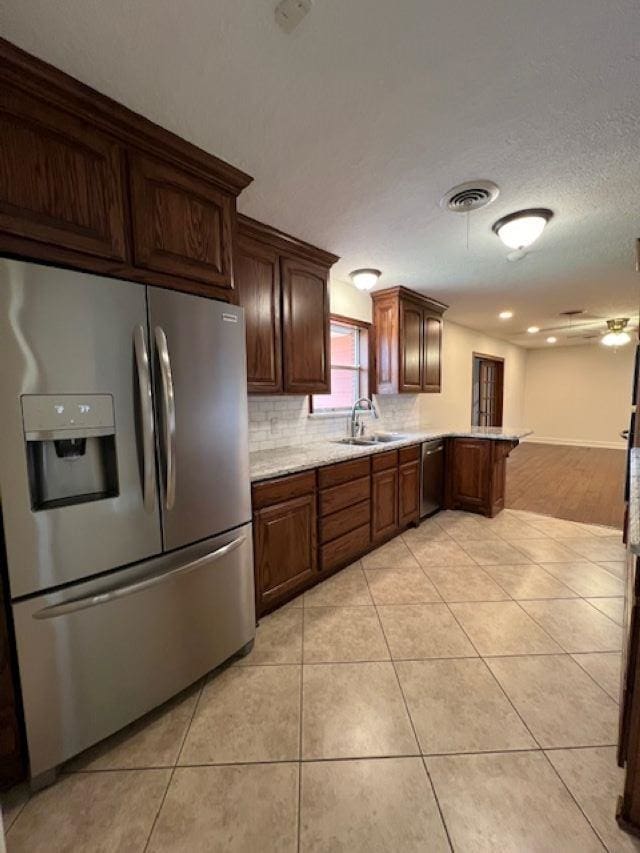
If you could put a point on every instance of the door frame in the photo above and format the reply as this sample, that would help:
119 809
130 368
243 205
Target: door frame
476 357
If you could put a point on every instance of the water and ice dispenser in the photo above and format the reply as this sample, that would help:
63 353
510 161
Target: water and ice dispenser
71 448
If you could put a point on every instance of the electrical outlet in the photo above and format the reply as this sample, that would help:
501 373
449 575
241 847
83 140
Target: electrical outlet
289 13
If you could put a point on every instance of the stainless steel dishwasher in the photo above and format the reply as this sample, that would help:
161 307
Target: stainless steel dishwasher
432 477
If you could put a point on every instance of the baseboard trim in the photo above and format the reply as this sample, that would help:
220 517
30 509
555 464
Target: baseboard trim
575 442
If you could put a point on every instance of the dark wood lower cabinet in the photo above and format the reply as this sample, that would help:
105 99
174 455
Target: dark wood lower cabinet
408 493
476 474
285 549
360 503
384 504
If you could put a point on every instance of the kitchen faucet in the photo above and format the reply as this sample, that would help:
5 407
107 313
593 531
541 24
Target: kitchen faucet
353 424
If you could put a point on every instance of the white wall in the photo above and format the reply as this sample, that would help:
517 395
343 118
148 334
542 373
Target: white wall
347 300
579 395
451 408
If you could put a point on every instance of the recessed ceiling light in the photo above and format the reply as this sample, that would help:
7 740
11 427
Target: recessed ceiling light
616 336
521 229
533 330
505 315
365 279
552 340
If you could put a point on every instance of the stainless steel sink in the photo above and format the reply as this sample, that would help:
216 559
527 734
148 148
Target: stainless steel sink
370 440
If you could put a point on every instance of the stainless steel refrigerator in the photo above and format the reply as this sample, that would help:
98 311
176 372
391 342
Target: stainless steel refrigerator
125 496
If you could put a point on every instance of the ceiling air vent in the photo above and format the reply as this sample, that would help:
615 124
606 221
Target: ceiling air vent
469 196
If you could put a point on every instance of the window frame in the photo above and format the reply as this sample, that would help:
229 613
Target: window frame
364 365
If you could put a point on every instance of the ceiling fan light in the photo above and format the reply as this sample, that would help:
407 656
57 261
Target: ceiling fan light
521 229
616 336
616 339
365 279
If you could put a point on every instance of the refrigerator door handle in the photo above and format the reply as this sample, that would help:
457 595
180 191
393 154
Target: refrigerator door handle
146 410
169 415
76 604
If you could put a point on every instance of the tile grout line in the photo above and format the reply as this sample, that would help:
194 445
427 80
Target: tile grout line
540 749
568 790
302 665
173 769
410 718
559 644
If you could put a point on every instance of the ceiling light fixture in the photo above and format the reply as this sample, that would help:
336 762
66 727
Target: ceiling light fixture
365 279
552 340
533 330
616 336
521 229
505 315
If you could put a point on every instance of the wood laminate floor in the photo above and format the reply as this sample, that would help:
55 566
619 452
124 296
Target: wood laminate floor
577 483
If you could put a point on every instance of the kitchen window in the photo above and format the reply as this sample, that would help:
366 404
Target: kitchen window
349 341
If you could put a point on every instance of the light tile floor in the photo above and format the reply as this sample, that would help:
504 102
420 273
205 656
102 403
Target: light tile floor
456 689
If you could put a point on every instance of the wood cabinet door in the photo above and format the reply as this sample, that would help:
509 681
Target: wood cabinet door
432 355
385 332
60 179
305 327
181 223
285 548
408 493
471 473
257 284
411 346
384 504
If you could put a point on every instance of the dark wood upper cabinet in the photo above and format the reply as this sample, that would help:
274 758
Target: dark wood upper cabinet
283 285
87 183
60 179
257 285
411 341
181 223
432 359
408 341
305 317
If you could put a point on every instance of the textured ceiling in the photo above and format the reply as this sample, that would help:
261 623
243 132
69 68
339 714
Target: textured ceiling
357 123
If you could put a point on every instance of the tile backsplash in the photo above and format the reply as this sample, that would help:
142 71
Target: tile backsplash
285 421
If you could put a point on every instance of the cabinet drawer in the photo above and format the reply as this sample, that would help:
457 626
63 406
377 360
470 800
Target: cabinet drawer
344 549
347 494
382 461
283 489
409 454
344 520
343 472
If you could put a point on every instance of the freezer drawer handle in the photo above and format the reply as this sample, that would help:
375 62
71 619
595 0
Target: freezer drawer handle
146 408
103 598
169 406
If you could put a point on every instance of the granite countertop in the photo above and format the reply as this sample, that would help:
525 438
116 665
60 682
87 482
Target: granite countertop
633 529
265 464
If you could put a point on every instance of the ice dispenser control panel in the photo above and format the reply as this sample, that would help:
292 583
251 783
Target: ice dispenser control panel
71 449
49 413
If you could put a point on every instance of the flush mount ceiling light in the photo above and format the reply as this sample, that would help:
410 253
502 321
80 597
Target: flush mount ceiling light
505 315
533 330
365 279
616 336
552 340
521 229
